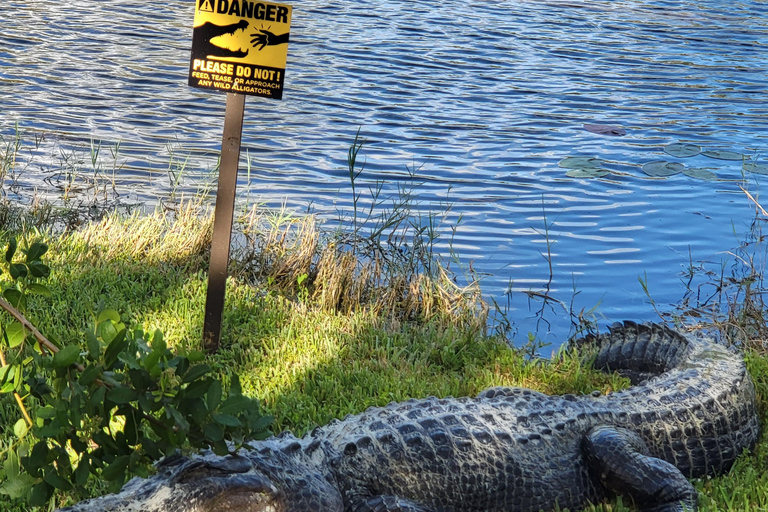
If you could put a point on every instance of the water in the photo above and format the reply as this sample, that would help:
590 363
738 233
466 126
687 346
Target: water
482 99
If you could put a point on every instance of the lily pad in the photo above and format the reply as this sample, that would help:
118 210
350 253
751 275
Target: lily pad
682 150
587 173
700 174
606 129
662 169
723 154
756 168
580 162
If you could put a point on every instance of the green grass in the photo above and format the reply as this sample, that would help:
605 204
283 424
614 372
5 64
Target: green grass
307 359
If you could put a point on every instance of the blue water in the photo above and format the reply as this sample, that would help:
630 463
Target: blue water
482 99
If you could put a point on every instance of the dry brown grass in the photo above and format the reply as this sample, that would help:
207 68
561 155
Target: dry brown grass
162 236
345 272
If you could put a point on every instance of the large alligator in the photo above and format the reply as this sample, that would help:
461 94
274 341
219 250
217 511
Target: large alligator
690 413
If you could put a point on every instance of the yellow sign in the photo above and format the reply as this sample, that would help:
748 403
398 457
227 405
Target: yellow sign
240 46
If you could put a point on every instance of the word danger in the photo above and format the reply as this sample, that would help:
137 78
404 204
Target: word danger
253 10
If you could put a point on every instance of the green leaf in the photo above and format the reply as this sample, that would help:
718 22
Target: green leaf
140 379
18 270
97 398
116 470
235 404
41 493
227 420
662 169
20 428
81 473
756 168
220 448
108 314
12 246
66 356
56 480
122 395
151 360
46 413
18 486
52 429
5 372
235 389
38 269
182 423
15 333
37 458
580 162
90 374
8 387
587 173
196 372
131 427
11 465
108 331
92 342
114 348
13 296
260 423
723 154
213 397
682 150
39 289
158 342
36 251
700 174
195 356
198 388
213 432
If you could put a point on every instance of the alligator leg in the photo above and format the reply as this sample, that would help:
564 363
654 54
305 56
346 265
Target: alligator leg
387 504
620 458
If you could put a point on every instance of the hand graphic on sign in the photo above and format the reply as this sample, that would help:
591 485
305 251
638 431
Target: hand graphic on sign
267 38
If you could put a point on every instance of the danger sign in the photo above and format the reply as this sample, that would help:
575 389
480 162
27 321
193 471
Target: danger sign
240 46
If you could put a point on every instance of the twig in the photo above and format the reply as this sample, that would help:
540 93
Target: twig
16 395
15 313
42 340
753 200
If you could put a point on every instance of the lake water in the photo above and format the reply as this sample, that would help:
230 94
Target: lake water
484 100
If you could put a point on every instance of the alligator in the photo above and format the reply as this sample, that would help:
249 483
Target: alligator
202 47
690 412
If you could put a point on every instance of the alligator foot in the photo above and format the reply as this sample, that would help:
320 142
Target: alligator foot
620 458
388 504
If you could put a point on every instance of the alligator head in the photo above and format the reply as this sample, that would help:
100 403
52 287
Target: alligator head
201 40
278 477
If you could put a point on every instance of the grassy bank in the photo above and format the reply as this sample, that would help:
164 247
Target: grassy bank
316 327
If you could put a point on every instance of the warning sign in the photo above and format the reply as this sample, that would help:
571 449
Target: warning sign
240 46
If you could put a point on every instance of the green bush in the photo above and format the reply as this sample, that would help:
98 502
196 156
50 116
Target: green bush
109 408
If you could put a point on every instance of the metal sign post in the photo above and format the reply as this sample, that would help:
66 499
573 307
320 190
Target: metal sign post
239 48
222 220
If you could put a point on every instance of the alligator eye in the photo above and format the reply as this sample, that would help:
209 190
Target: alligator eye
198 469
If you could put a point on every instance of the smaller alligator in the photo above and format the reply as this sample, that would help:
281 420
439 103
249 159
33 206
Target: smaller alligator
690 413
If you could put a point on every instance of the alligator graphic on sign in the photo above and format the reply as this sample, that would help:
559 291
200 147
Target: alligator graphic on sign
240 46
202 45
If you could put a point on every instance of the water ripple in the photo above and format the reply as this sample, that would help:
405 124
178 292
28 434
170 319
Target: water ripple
480 99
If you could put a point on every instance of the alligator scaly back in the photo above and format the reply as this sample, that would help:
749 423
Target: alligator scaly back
690 413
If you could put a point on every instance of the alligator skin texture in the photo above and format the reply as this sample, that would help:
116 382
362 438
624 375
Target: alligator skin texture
690 413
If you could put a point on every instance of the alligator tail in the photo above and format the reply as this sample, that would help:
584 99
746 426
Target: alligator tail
636 351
